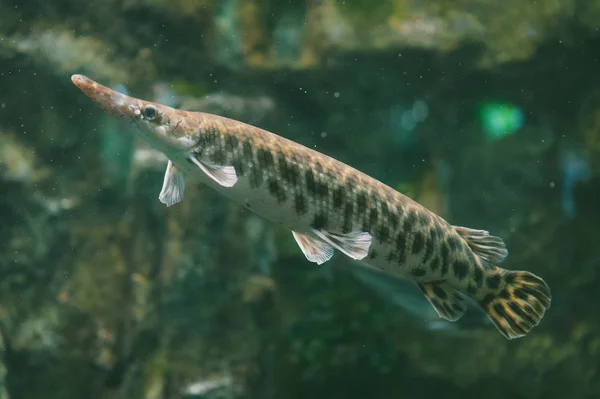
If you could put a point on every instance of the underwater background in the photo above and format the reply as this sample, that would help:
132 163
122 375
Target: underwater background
486 112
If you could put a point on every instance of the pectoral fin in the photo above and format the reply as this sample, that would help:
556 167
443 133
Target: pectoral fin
354 244
224 175
173 186
314 249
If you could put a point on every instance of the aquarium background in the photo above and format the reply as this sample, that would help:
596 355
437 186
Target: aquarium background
486 112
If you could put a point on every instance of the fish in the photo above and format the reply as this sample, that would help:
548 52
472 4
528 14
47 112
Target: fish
402 294
330 206
575 169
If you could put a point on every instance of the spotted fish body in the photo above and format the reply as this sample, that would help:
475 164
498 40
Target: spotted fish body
329 206
305 190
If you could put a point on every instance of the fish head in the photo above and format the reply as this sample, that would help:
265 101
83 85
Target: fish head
162 126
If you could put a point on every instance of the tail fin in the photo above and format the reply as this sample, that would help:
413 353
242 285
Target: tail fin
519 302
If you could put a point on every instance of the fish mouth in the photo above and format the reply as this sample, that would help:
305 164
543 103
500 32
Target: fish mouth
111 101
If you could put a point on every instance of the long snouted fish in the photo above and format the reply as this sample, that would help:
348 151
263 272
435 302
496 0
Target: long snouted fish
330 206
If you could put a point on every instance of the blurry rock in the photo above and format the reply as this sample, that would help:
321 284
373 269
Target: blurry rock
66 53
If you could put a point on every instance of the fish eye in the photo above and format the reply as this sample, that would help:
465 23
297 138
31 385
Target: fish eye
150 112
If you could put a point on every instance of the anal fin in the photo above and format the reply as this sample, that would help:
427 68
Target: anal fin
314 249
354 244
173 186
447 302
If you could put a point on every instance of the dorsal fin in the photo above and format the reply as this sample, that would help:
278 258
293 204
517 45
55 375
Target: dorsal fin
491 250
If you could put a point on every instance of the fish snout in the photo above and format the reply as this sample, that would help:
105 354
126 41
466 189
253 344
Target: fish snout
113 102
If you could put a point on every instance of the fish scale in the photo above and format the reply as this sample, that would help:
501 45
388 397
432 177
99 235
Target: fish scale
360 196
331 206
314 188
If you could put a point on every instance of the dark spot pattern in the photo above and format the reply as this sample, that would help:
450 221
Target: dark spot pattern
311 185
493 281
300 204
538 307
478 276
418 243
265 158
288 171
238 165
361 202
510 278
519 294
373 254
218 156
423 219
487 300
435 264
318 167
438 291
385 212
501 311
498 308
529 321
348 216
445 258
373 217
453 243
256 177
322 190
529 279
338 197
231 142
445 253
457 308
391 256
350 183
366 226
394 218
247 150
461 269
211 137
400 253
428 247
437 231
418 272
409 222
445 267
542 300
277 190
320 221
382 233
